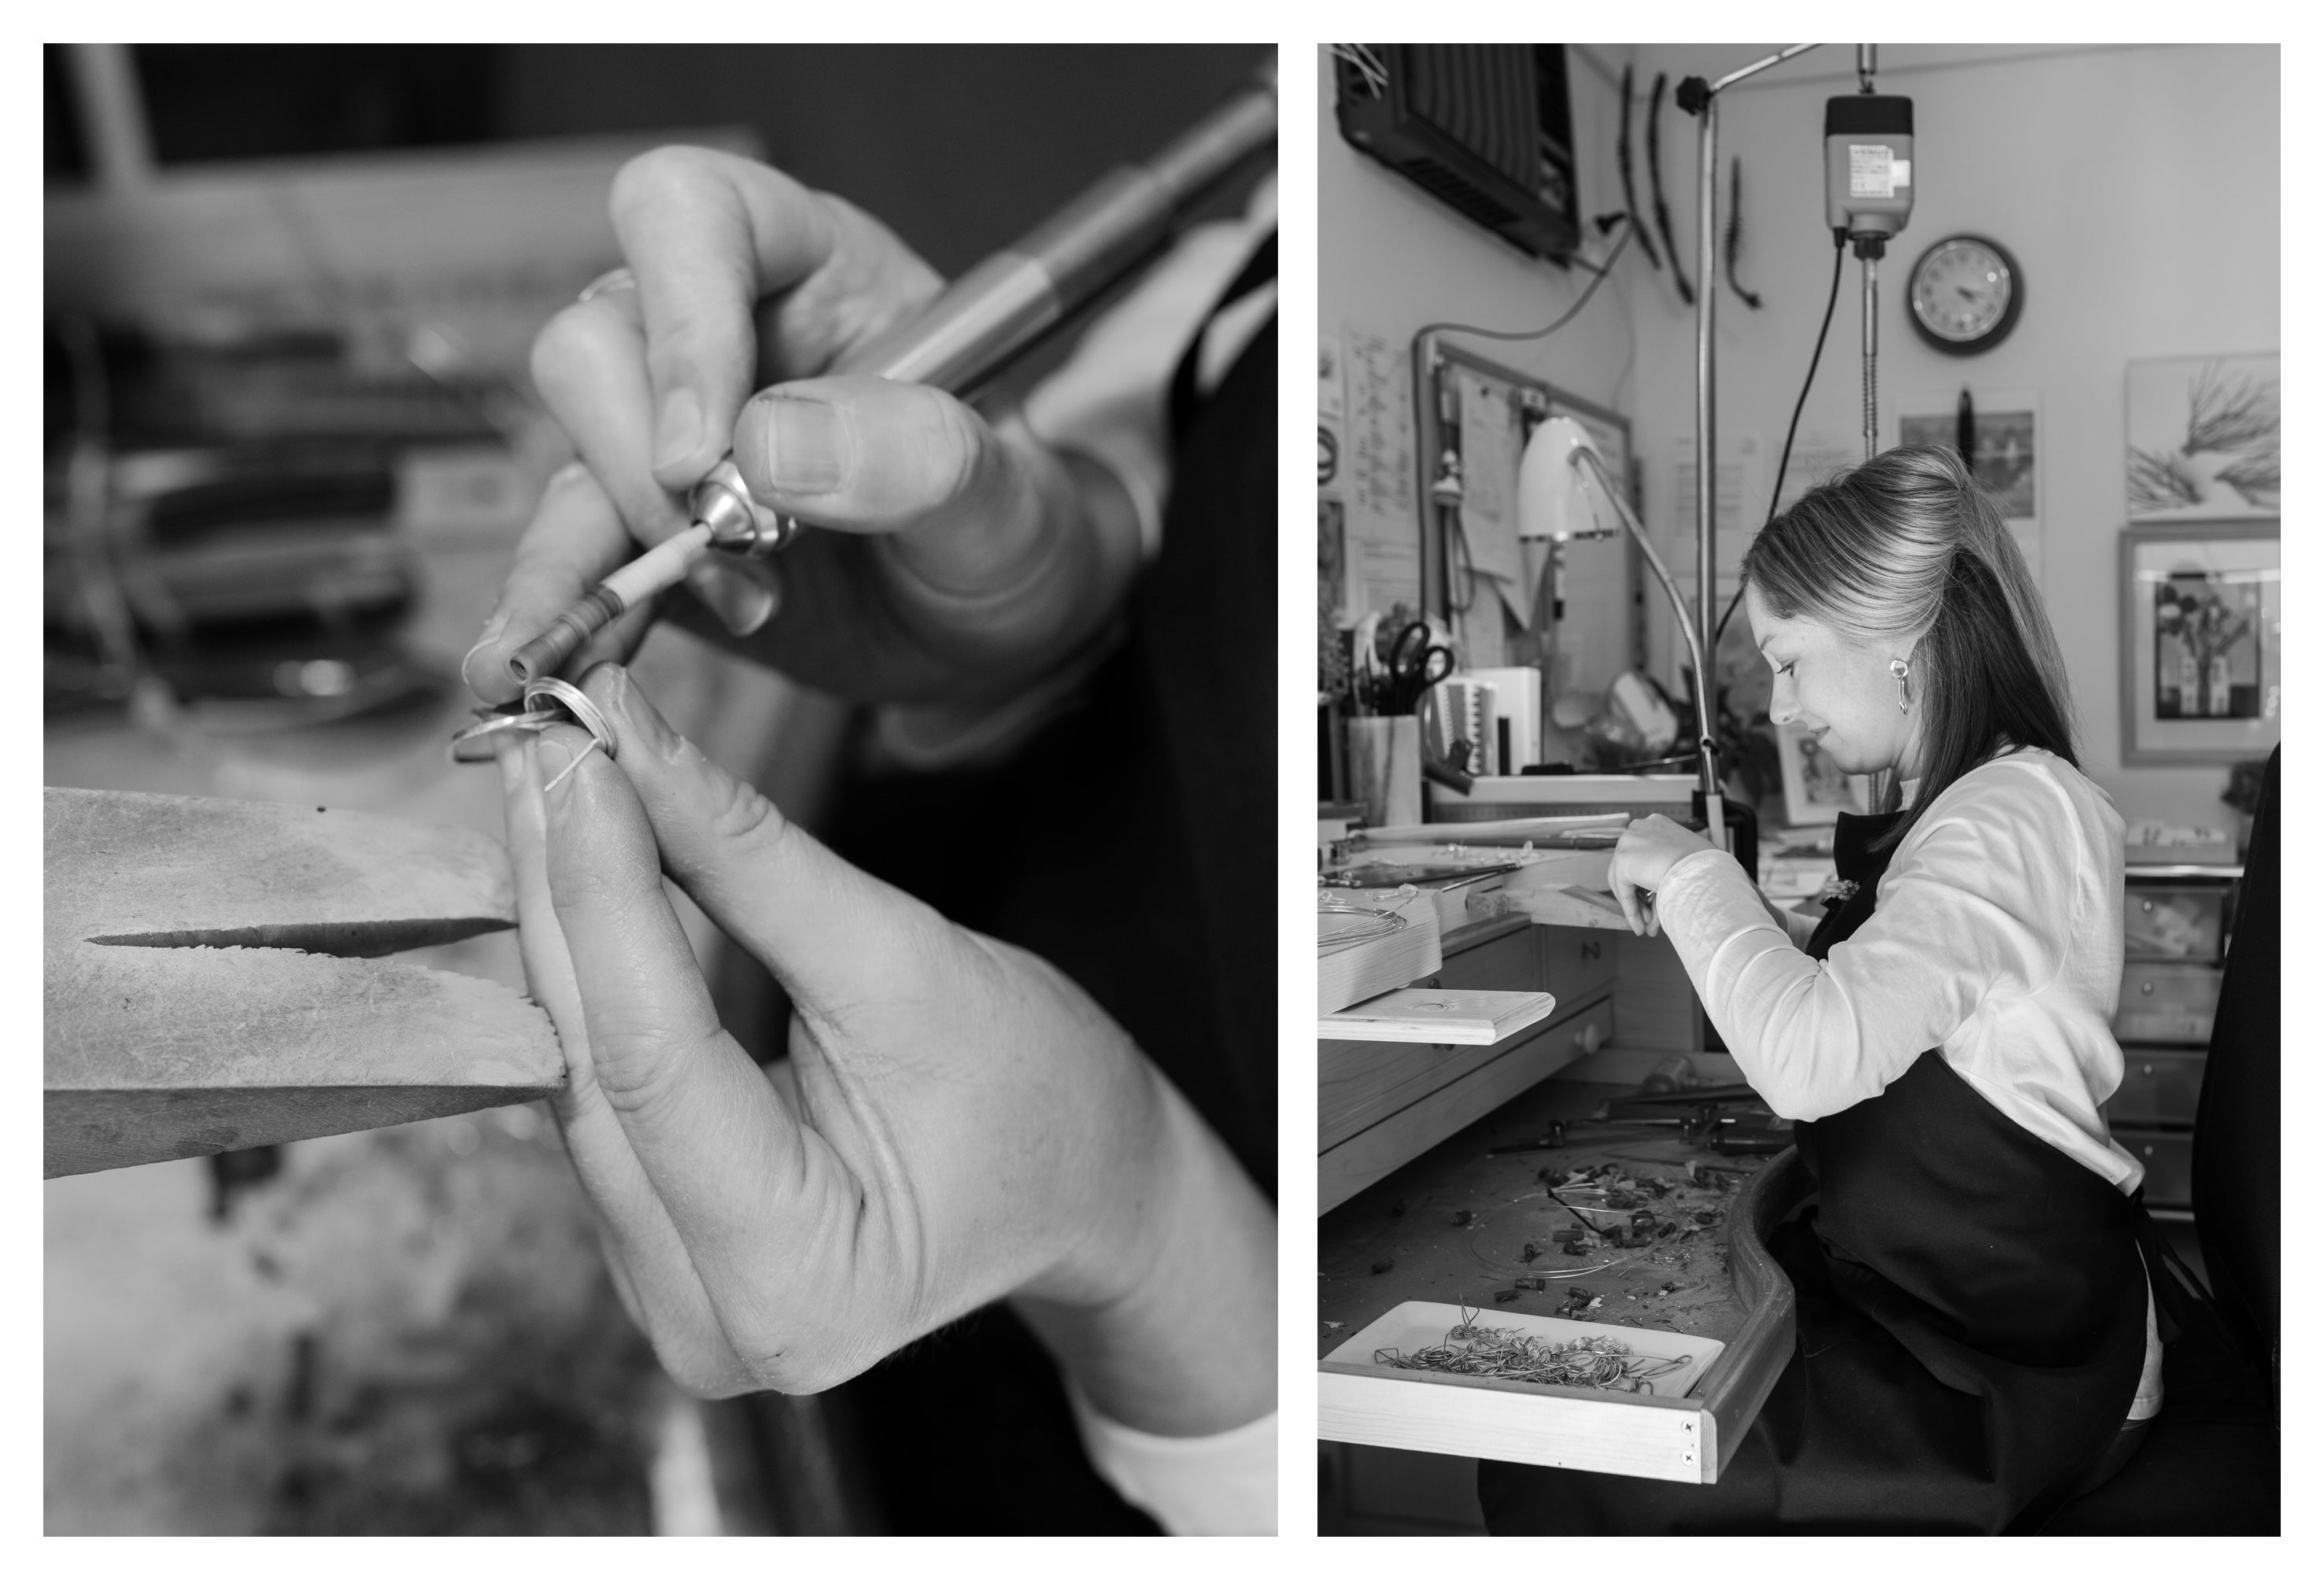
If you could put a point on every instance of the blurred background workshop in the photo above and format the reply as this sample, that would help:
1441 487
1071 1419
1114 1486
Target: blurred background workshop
1590 317
293 440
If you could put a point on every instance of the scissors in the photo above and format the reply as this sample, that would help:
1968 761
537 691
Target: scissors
1415 664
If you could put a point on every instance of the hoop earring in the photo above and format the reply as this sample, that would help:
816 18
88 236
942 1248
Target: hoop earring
1901 670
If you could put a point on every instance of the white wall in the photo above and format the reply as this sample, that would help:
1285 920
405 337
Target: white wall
2138 188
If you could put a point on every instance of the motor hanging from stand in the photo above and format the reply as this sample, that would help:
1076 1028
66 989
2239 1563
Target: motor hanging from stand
1868 183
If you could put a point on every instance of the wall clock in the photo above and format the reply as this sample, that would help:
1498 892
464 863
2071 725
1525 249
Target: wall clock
1966 292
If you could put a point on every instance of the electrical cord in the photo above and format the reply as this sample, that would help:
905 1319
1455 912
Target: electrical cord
1597 272
1839 256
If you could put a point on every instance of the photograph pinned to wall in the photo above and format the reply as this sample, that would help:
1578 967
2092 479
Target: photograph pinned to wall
1331 409
1815 790
2005 452
1739 505
1377 473
1332 558
2204 438
2202 666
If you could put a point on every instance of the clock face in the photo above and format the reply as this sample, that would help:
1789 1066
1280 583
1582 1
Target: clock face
1965 293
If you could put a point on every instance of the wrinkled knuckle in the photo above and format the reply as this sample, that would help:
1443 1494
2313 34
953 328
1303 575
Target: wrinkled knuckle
960 441
638 1069
740 815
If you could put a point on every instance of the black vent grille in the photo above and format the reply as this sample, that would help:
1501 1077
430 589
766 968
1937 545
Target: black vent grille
1462 195
1486 129
1482 96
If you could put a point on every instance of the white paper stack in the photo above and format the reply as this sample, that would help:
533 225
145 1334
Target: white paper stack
1516 698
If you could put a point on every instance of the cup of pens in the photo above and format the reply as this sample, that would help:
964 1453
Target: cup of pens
1384 768
1384 734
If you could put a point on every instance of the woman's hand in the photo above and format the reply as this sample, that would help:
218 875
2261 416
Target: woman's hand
958 1122
962 555
1649 847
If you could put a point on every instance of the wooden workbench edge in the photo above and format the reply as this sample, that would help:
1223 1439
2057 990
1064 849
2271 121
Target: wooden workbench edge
1745 1374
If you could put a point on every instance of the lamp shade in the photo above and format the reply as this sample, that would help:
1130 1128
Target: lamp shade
1554 499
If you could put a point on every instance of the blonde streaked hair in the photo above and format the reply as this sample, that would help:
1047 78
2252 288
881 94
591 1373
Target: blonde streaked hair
1909 547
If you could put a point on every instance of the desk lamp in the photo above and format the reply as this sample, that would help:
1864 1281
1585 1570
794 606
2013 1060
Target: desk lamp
1556 504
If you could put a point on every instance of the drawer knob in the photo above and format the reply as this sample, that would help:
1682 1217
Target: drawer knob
1589 1038
2147 907
2146 986
2147 1070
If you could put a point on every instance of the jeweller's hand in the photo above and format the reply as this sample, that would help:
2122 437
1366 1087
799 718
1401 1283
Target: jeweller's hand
956 1124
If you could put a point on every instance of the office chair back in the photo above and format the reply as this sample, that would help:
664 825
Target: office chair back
2238 1185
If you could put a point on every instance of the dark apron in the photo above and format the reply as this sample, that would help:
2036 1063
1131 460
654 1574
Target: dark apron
1972 1324
1131 844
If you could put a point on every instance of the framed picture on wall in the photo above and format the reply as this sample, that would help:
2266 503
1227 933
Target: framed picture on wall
2007 445
2203 438
1815 791
2006 450
2202 618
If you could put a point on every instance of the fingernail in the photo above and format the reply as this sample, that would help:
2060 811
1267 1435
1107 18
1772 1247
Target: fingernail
490 634
802 445
640 723
679 433
731 593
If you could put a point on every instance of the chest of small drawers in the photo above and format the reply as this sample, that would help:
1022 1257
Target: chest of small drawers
2178 923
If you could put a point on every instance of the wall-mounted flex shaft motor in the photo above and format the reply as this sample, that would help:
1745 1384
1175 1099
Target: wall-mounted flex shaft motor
1868 167
1868 196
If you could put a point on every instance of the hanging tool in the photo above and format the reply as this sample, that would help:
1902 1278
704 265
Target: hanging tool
1735 233
1655 178
1629 188
981 323
212 977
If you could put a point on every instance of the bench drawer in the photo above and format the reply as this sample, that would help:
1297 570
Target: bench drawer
2157 1089
2166 924
2170 1159
2166 1003
1577 963
1444 1090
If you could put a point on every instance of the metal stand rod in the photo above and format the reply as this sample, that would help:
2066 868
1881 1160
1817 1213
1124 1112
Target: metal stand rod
1706 738
1703 630
1871 357
1706 403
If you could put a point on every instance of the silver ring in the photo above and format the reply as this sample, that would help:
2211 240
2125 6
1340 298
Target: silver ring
570 697
612 279
475 744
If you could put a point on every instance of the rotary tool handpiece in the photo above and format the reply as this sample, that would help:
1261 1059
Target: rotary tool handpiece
1001 308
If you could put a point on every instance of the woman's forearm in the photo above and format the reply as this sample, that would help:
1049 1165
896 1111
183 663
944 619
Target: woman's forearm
1188 1349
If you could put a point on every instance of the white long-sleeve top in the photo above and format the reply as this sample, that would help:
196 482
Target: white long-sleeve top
1995 938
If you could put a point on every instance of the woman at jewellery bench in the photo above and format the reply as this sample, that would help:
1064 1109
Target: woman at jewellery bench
1977 1331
